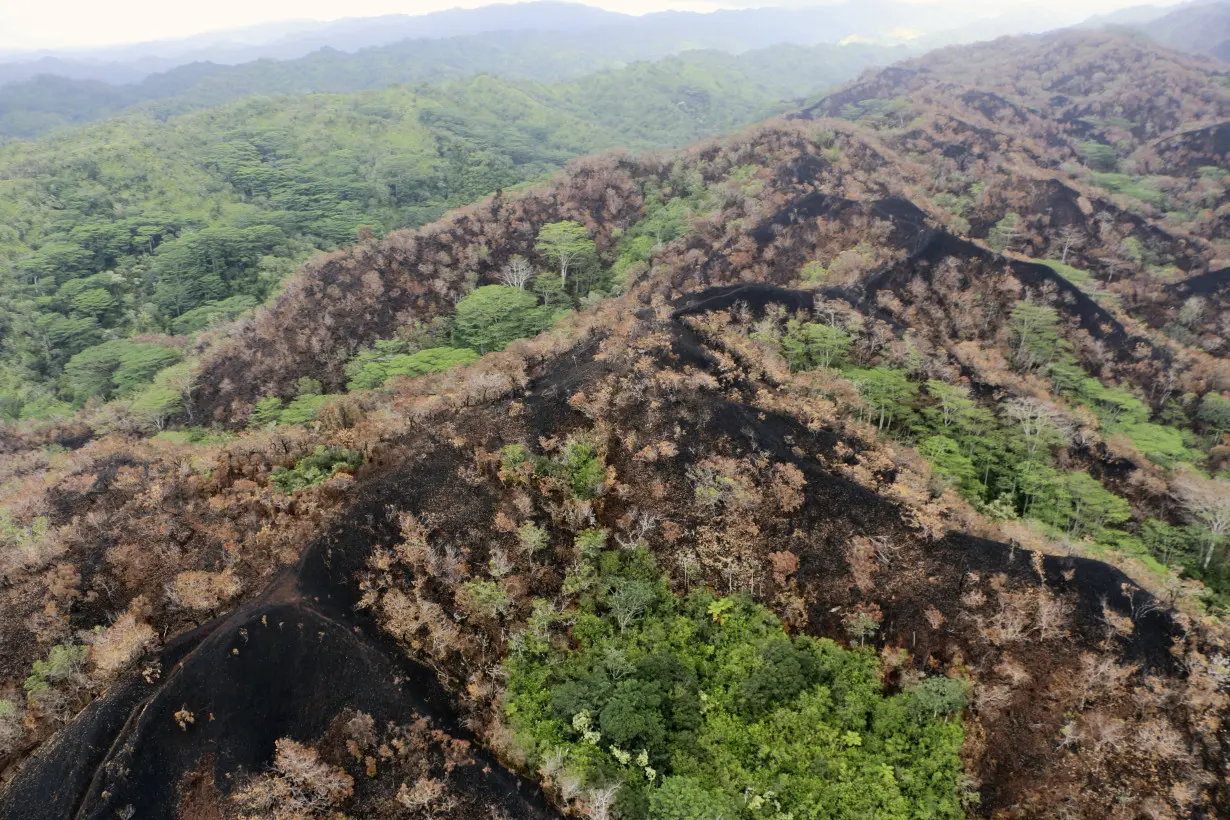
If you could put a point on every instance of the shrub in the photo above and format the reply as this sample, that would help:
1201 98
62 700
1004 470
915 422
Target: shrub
515 464
300 785
1135 187
485 598
52 682
11 728
371 369
203 591
322 464
113 648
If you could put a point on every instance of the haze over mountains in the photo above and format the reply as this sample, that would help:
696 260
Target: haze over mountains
730 30
543 41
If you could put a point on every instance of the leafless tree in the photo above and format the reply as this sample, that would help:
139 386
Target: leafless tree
600 802
517 273
1207 502
1070 238
1036 417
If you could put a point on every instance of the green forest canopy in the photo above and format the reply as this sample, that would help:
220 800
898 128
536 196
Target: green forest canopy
46 103
143 226
704 707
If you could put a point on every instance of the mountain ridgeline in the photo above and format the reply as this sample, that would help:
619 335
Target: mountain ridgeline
47 102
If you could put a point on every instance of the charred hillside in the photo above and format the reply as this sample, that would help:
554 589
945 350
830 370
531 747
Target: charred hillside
921 381
299 656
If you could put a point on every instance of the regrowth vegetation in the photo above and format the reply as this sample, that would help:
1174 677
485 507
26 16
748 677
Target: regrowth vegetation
700 706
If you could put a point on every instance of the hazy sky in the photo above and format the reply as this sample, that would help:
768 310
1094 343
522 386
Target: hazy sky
34 24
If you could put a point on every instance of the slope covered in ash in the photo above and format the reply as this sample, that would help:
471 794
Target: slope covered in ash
768 395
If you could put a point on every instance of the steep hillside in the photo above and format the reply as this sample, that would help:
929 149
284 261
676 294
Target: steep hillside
218 206
820 488
1058 130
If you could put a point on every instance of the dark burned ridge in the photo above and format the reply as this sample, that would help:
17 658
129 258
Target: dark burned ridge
1215 283
882 82
1093 582
927 246
1200 146
1094 579
938 244
283 665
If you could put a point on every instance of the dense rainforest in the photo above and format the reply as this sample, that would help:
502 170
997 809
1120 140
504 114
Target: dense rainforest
869 462
48 102
157 228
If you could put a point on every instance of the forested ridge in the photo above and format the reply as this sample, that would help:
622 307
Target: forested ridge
48 102
868 462
161 227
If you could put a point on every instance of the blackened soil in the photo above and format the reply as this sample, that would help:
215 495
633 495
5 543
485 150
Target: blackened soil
283 665
833 500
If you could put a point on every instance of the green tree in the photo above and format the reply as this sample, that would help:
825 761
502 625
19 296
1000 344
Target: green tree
372 368
701 707
267 411
887 393
1099 157
487 599
567 245
154 406
494 315
813 273
94 302
1005 233
1214 412
684 798
1035 333
808 345
945 454
116 368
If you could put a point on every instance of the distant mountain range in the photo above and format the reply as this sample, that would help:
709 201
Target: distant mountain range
1202 26
296 38
541 41
733 30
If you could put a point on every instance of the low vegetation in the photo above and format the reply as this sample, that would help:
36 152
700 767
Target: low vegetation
671 707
